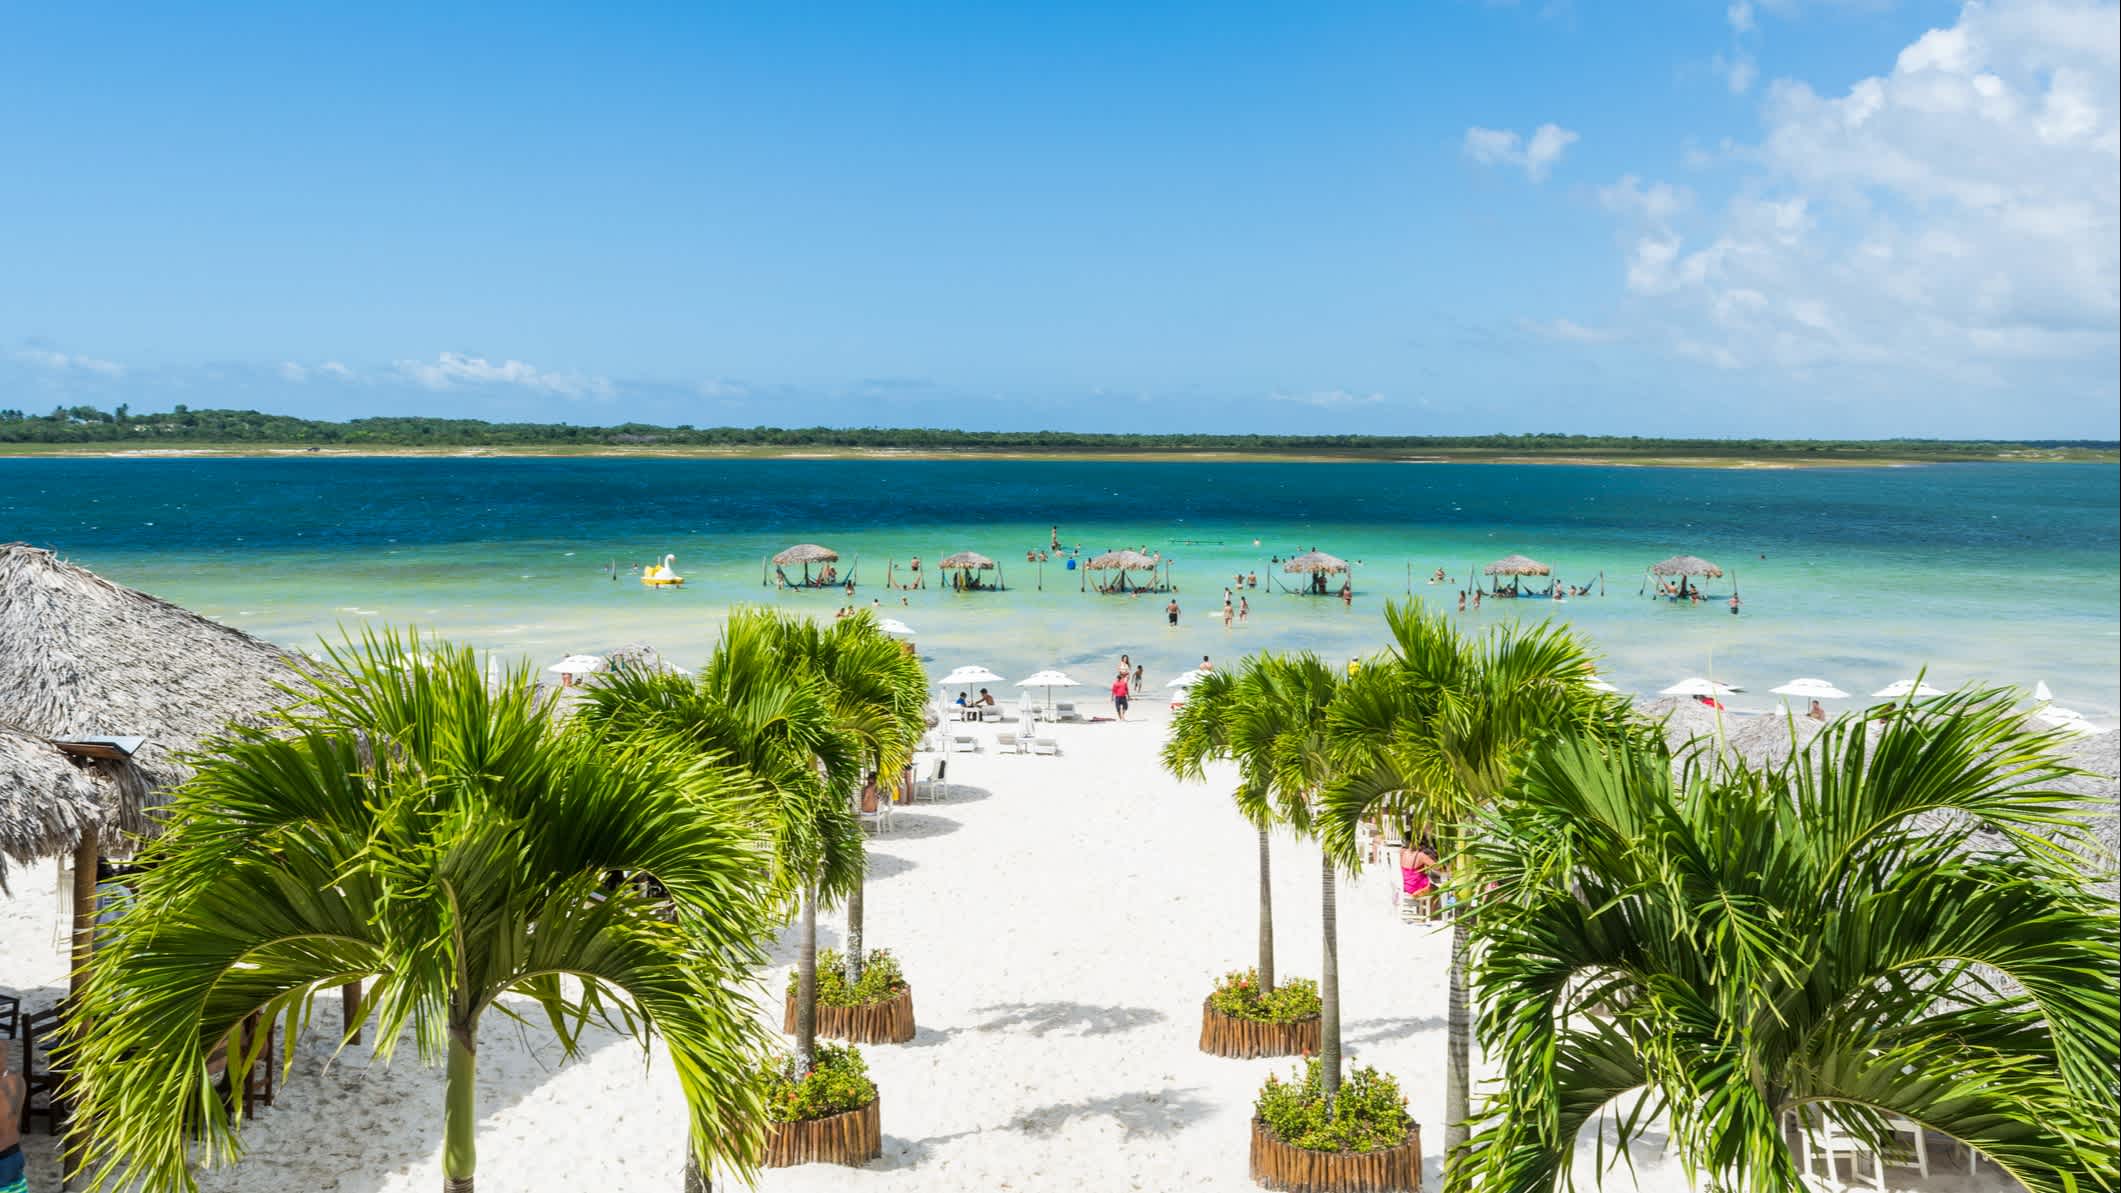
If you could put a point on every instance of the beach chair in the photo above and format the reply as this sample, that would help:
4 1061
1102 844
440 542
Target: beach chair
1833 1141
10 1013
881 817
963 743
1064 710
1006 739
932 786
42 1074
1045 745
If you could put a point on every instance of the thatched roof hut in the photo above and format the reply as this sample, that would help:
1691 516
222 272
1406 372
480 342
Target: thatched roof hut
47 799
1313 562
1517 565
1686 565
80 655
967 561
1125 561
806 553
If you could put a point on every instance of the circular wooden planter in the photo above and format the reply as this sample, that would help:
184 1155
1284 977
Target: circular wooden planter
1227 1035
853 1138
887 1022
1277 1165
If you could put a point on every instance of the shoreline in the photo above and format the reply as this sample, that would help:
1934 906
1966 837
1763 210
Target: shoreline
768 452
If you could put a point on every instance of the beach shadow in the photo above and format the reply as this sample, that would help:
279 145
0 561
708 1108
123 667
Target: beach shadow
884 865
783 948
1377 1031
1138 1113
964 793
917 826
1065 1018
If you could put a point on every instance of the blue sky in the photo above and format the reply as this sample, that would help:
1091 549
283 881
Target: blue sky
1799 217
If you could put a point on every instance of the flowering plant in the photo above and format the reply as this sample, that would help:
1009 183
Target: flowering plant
1238 995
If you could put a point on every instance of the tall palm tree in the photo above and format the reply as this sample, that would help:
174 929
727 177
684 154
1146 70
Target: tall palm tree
1279 725
1435 730
408 826
755 708
1826 937
879 696
1200 733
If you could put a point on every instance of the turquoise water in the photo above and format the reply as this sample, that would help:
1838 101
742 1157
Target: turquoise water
1994 572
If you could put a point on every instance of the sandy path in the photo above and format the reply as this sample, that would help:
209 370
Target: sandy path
1060 919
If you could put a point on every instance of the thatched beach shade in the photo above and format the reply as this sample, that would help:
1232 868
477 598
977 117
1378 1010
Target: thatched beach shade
1316 563
83 657
804 554
47 799
1686 565
1121 562
971 564
1517 565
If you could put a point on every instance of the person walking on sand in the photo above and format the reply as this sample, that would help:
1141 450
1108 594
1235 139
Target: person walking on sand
1171 613
1119 697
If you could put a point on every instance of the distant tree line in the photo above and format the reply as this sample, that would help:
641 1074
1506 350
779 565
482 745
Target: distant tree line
182 425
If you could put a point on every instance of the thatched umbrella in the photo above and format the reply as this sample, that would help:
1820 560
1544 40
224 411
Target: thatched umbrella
1121 562
1517 565
1317 565
1686 565
972 563
805 554
81 656
47 799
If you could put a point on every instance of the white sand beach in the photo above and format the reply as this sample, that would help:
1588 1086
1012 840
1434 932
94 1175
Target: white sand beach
1060 919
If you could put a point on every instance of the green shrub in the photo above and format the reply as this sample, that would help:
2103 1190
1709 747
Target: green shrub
839 1083
1238 996
881 980
1369 1115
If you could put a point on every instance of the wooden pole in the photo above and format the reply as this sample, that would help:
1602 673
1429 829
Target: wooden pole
350 1009
86 856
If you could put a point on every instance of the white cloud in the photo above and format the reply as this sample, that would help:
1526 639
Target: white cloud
452 369
1740 15
65 362
330 370
1504 147
1570 331
1739 71
1956 214
723 389
1330 399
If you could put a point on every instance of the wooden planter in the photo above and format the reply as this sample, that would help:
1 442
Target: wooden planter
887 1022
1277 1165
1227 1035
853 1138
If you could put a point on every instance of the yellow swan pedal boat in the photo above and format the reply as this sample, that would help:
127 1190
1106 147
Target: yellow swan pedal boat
663 575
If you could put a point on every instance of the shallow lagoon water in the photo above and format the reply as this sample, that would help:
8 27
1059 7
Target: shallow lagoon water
1996 573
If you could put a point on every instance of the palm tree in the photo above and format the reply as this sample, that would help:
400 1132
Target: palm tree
1277 728
1436 730
879 696
755 708
405 824
1200 732
1827 937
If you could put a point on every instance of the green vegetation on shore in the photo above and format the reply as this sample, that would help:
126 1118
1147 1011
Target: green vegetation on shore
87 429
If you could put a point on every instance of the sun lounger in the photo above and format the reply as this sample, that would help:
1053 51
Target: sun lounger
1007 740
1064 710
963 743
1045 745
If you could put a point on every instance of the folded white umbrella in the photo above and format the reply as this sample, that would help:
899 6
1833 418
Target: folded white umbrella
578 664
1901 689
892 625
2041 693
1810 689
1698 686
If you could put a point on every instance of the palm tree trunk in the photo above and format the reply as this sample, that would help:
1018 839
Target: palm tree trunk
853 964
806 984
695 1178
1328 983
1266 917
1458 1063
460 1110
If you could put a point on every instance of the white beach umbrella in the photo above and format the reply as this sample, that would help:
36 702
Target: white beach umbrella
1048 679
895 627
1697 686
1598 685
578 664
2069 720
1810 689
1901 689
1187 679
972 674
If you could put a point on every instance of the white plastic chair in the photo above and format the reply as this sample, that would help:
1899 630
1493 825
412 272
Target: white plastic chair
1045 745
932 786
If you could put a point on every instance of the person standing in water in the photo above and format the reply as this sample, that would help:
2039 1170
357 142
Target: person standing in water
1171 613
